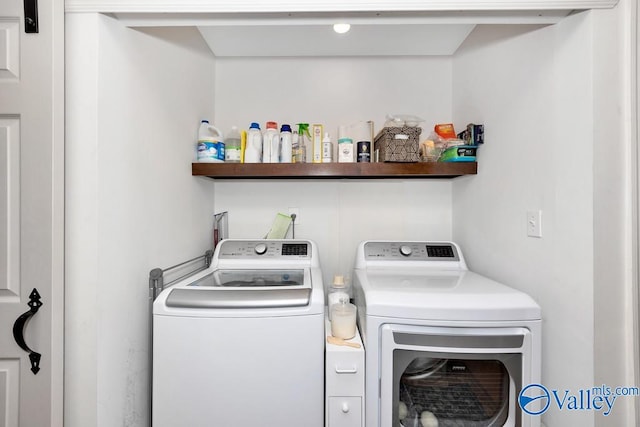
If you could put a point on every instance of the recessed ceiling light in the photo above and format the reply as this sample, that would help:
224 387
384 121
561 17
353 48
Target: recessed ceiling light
341 28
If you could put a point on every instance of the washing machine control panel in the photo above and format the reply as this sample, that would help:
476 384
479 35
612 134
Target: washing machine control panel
411 251
254 249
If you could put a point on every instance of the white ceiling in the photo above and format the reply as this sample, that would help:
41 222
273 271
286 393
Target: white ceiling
321 40
311 34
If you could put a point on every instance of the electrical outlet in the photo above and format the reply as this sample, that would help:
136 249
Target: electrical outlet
295 211
534 223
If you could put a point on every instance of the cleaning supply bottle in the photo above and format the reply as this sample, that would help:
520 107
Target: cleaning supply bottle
271 144
338 293
232 146
210 147
345 146
304 142
243 144
297 155
253 150
286 144
345 150
327 149
316 142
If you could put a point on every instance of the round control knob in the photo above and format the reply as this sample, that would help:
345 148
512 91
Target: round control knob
405 250
260 248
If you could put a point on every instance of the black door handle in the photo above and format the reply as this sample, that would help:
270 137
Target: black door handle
18 329
30 16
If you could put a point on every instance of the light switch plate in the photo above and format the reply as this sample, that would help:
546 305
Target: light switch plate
534 223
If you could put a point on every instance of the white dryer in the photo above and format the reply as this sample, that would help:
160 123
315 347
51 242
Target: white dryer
242 343
443 345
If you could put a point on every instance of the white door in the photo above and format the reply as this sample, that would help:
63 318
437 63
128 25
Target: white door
31 212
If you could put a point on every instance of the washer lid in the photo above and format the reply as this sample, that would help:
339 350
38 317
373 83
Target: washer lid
244 288
241 278
234 298
443 295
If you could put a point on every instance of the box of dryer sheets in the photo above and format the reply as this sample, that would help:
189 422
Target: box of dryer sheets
398 144
459 153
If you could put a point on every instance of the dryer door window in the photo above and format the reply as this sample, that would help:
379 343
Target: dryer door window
430 391
444 376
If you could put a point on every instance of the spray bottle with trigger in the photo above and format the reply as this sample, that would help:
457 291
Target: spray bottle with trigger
304 144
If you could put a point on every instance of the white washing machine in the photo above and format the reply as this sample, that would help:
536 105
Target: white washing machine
443 345
242 343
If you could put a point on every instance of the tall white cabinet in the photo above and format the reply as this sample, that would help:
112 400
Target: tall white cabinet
344 382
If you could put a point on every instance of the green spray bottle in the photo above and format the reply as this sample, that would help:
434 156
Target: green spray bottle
303 146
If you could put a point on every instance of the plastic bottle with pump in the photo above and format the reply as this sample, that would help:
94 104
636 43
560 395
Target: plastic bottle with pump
232 146
286 144
304 142
271 144
210 147
253 150
327 149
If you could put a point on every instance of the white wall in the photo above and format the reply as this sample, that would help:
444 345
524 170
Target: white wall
331 90
133 103
564 145
614 147
533 91
337 214
340 214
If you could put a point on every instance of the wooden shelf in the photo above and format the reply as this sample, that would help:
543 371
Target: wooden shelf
334 170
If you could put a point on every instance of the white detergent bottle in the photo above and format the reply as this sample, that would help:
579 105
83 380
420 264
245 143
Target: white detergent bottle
210 148
271 144
253 150
286 144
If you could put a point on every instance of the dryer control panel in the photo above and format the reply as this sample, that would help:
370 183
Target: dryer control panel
411 251
259 249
